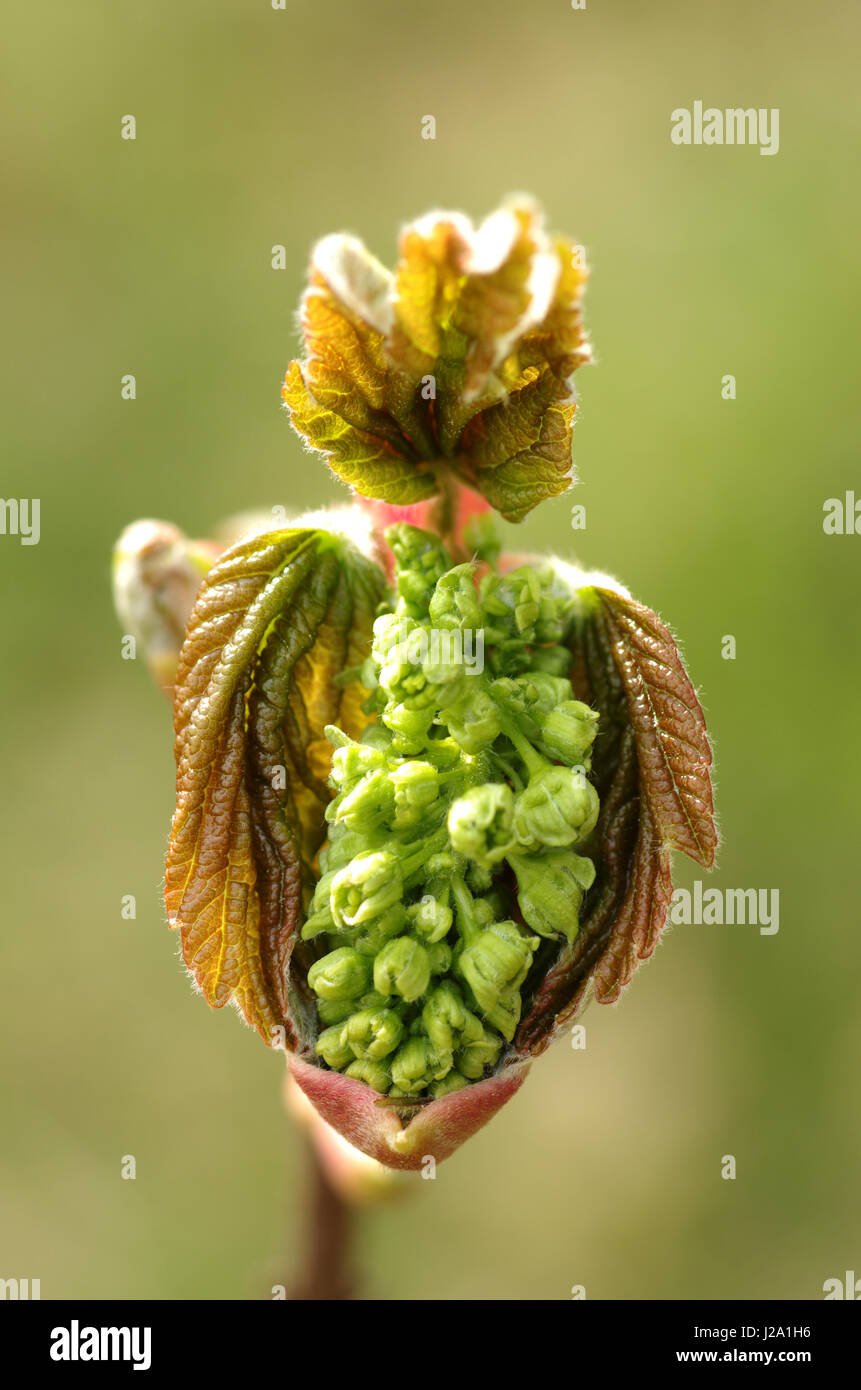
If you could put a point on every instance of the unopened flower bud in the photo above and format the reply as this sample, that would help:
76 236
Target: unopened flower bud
454 602
417 1064
475 722
352 761
365 888
332 1047
550 889
370 937
505 1014
480 821
439 955
374 1074
369 803
342 974
568 731
373 1033
410 727
430 919
332 1011
447 1021
478 1053
498 958
403 967
454 1081
557 808
415 786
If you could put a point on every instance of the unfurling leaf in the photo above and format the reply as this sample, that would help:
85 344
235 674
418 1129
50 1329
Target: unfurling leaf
651 767
460 362
277 619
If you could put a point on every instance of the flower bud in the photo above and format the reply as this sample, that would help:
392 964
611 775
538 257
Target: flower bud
478 1053
374 1074
454 1081
495 960
417 1064
421 560
430 920
415 786
557 808
447 1021
369 803
369 938
556 661
568 731
373 1033
403 967
410 727
439 955
363 890
332 1011
543 692
505 1014
474 723
352 761
480 821
342 974
454 602
550 889
332 1047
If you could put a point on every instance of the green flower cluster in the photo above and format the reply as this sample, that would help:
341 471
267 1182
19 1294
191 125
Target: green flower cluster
457 812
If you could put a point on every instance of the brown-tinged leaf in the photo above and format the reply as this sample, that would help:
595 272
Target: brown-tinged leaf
651 767
460 362
278 617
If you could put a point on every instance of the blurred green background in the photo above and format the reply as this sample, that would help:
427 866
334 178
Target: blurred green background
258 127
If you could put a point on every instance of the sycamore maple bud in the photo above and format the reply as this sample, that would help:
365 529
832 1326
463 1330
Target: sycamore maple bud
333 1048
369 803
550 889
352 761
415 786
342 974
454 603
447 1021
495 960
374 1074
475 722
420 561
568 731
430 919
480 823
454 1081
478 1053
417 1064
365 888
373 1033
370 937
403 967
410 727
558 807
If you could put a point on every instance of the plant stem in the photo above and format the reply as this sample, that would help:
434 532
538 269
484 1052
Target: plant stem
328 1237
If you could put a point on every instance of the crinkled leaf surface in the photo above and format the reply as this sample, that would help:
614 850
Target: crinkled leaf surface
277 618
652 769
462 360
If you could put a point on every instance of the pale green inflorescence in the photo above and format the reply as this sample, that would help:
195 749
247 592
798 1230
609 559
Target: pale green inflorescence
458 813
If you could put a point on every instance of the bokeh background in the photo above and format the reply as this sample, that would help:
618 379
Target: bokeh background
258 127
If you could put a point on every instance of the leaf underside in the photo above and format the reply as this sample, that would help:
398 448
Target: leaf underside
276 620
652 770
